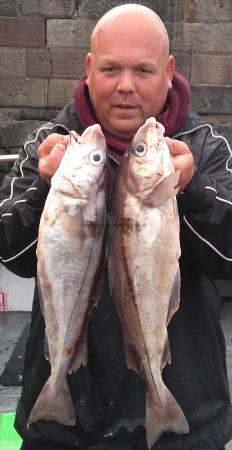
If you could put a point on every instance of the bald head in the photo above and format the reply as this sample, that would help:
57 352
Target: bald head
129 70
135 15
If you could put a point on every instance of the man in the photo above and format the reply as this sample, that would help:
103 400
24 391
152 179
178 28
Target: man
130 76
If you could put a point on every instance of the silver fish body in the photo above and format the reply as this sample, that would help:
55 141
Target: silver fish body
144 274
69 252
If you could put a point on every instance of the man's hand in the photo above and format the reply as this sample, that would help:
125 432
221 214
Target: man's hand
182 159
51 152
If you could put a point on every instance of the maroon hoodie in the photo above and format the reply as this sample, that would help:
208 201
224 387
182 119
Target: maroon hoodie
172 116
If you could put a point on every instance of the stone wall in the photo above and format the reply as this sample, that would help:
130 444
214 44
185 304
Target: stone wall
43 43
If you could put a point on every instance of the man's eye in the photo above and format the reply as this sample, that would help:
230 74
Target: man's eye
109 69
144 70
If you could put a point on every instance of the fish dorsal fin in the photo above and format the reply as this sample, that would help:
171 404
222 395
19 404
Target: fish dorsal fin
80 357
165 190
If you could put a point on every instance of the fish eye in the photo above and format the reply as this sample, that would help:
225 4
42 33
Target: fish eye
140 149
96 157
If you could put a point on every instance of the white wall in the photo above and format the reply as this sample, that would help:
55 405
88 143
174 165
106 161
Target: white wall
19 291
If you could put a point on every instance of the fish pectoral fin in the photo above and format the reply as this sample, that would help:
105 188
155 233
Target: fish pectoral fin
46 347
165 190
80 357
166 357
175 296
131 360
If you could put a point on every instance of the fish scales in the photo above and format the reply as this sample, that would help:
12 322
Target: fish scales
144 250
69 252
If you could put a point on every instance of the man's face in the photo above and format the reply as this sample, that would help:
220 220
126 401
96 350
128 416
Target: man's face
128 75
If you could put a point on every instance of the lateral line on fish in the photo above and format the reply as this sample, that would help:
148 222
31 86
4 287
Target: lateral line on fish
154 384
127 274
80 288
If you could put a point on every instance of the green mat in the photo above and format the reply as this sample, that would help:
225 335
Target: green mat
9 438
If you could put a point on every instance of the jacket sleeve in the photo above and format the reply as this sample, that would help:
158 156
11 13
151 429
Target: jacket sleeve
206 207
22 197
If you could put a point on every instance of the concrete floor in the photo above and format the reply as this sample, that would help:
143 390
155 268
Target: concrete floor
12 324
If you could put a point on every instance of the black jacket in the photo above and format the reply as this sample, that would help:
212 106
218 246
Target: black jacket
110 399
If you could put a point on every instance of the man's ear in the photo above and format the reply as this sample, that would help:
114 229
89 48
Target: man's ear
170 69
88 64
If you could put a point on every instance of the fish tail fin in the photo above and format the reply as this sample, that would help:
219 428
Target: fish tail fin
53 404
163 414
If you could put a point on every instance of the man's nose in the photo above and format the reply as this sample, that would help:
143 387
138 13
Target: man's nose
126 82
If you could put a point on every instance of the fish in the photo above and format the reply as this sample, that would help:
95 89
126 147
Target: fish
144 276
70 251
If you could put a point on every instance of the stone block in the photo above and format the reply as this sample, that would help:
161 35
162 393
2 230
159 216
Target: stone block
213 99
51 8
14 134
10 8
211 69
213 37
179 36
68 63
38 8
208 11
13 62
21 92
38 63
69 32
171 10
183 63
9 115
22 32
60 92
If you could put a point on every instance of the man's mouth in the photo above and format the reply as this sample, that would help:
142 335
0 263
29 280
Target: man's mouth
125 106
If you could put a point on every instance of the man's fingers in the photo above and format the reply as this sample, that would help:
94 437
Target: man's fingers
49 164
57 152
48 144
177 147
182 159
51 151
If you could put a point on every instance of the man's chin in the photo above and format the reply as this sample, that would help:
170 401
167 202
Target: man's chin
125 129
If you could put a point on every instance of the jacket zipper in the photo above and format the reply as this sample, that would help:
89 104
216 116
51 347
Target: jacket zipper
189 131
114 159
62 126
